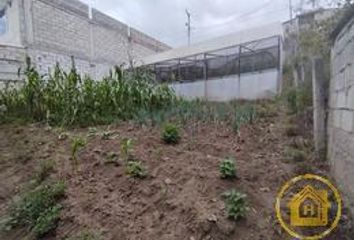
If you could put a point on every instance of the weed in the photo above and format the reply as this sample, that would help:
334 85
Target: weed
136 169
44 169
170 134
126 149
227 168
76 144
236 205
37 210
298 98
87 236
295 155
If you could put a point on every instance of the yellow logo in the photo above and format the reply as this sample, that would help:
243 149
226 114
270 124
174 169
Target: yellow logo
308 207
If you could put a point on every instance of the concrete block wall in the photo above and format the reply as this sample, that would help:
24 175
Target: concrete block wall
54 30
341 112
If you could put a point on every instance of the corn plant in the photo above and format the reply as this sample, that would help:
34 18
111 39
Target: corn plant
236 205
227 168
76 145
66 99
126 149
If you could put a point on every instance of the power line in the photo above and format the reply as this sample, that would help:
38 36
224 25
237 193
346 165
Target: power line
218 26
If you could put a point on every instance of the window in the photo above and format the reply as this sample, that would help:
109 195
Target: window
3 21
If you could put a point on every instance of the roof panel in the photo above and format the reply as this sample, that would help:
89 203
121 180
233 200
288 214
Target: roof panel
238 38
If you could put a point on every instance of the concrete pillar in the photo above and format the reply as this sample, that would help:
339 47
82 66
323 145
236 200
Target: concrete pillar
319 107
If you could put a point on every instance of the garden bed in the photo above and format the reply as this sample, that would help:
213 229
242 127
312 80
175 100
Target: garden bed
181 196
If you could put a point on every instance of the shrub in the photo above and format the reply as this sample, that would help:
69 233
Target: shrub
37 210
44 169
295 155
136 169
170 134
227 168
236 205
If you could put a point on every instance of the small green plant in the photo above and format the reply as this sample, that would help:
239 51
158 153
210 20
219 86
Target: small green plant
295 155
107 135
126 149
136 169
170 134
227 168
112 158
45 168
92 131
76 145
37 210
236 205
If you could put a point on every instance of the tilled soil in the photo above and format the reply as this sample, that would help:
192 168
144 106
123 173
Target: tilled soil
181 199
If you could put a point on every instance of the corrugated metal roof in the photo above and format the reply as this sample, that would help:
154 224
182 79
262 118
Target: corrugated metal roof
234 39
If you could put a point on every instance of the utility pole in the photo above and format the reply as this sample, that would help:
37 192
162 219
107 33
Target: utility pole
291 10
188 24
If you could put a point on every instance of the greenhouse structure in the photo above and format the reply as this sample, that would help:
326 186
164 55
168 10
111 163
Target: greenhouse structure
244 65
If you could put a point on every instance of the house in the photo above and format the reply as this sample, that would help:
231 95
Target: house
309 208
51 31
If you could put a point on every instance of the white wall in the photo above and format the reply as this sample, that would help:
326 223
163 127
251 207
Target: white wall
251 86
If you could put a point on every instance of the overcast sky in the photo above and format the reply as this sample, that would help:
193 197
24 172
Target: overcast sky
165 19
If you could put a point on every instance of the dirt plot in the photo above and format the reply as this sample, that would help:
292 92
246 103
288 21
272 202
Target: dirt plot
181 198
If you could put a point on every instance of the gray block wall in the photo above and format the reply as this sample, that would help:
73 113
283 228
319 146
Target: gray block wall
54 30
341 112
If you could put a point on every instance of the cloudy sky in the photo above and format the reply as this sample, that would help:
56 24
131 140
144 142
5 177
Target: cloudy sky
166 19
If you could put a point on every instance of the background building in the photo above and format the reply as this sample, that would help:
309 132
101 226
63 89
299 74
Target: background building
51 31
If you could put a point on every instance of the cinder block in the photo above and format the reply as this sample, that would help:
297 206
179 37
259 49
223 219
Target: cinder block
347 120
350 98
337 118
341 99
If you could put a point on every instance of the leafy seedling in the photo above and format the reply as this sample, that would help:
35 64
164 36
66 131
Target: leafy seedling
136 169
227 168
170 134
236 205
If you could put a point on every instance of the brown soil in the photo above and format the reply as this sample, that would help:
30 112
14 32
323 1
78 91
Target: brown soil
181 197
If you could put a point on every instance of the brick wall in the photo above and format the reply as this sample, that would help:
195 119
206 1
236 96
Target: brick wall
341 111
54 30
